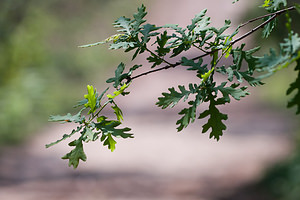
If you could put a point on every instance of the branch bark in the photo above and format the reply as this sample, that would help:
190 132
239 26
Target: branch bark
273 16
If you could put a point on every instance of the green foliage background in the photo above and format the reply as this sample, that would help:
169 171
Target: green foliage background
281 181
41 68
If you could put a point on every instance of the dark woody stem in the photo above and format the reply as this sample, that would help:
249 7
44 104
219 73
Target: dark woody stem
273 16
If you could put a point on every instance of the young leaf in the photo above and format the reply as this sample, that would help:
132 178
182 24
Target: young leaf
92 99
118 112
118 92
109 141
76 154
206 75
274 5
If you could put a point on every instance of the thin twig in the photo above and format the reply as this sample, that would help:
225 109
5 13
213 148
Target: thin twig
267 15
274 15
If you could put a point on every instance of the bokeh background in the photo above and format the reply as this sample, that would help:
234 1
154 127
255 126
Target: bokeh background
43 72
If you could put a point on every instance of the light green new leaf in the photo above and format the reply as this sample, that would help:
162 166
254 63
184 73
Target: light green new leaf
118 112
92 99
118 92
274 5
109 141
76 154
206 75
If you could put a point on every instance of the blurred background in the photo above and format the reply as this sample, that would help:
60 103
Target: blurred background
43 72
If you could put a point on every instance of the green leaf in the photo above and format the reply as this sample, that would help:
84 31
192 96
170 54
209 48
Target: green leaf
109 127
109 141
118 112
215 120
132 69
155 60
147 31
197 66
297 6
67 118
268 28
172 98
269 62
65 136
233 91
189 114
199 21
291 45
76 154
162 41
274 5
88 135
112 38
139 18
92 99
123 23
295 101
118 92
118 76
206 75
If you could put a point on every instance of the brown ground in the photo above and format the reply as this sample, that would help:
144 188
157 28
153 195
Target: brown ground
159 163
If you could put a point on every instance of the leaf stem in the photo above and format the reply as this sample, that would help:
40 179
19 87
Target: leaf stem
274 15
267 15
104 105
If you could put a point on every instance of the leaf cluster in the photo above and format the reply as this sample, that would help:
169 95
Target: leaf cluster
169 41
